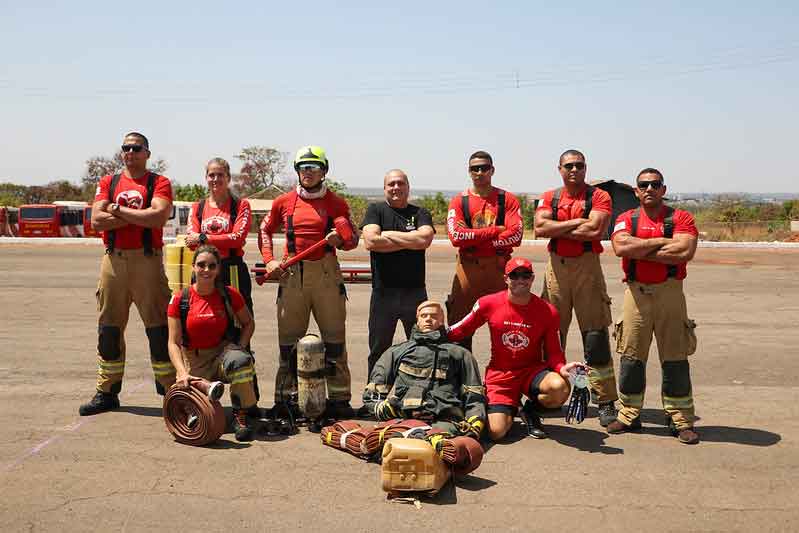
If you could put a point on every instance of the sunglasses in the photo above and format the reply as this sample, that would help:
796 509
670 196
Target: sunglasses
136 148
310 167
579 165
524 274
644 185
202 265
480 168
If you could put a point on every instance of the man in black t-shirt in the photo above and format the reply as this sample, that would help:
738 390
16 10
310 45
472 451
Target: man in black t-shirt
396 234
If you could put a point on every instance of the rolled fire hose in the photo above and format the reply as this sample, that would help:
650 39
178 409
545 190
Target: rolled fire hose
397 427
346 436
194 416
464 453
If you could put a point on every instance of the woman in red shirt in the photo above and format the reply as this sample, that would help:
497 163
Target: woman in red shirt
204 341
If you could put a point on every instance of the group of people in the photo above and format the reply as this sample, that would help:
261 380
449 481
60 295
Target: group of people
205 330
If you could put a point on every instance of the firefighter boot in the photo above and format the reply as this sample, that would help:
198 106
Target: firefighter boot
532 420
339 410
102 402
606 413
241 425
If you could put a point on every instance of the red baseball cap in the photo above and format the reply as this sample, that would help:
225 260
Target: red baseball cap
518 262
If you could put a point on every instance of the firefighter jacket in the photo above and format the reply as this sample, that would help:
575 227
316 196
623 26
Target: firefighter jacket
428 376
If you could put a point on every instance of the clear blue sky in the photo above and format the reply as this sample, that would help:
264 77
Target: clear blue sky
705 91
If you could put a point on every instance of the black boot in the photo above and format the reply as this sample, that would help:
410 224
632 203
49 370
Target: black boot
102 402
532 420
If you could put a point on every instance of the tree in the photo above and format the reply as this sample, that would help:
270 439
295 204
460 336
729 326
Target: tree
437 205
189 193
262 168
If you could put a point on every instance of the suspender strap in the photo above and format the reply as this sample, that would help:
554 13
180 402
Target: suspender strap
632 264
232 332
467 215
147 233
184 314
112 234
328 229
200 209
291 240
500 208
588 246
553 243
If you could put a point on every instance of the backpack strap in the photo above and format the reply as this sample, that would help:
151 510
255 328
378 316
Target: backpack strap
184 314
553 243
291 238
467 215
112 234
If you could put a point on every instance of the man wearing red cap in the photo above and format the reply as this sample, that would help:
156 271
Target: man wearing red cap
526 354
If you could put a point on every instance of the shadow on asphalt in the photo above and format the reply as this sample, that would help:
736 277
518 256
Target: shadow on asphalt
141 411
583 439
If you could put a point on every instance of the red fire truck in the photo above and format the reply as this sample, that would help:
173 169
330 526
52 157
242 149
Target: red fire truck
59 219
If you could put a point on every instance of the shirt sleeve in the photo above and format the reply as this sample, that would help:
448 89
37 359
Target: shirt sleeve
194 222
514 226
101 193
459 235
552 347
468 324
237 237
174 306
545 204
269 225
623 223
371 216
601 201
236 299
380 380
424 218
684 223
163 188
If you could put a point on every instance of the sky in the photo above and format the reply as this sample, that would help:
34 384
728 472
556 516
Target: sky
704 91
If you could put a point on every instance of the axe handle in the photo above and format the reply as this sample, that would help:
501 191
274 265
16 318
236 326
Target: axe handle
302 255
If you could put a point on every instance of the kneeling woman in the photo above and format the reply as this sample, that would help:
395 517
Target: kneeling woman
205 343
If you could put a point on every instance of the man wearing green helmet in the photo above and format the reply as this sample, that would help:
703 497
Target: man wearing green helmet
314 285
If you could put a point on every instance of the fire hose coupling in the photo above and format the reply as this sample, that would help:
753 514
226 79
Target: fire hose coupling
194 416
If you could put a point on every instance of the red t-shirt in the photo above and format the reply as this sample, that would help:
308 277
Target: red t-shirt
131 193
310 222
228 238
570 207
207 319
522 336
484 239
650 271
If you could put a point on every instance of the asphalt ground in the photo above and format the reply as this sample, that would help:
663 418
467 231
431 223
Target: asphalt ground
122 471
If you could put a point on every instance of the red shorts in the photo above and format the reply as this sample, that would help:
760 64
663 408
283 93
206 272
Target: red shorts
505 387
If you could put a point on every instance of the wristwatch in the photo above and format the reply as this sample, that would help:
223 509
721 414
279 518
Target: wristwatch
114 207
203 238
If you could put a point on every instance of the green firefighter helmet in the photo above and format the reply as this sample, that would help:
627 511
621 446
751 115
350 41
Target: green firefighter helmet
311 154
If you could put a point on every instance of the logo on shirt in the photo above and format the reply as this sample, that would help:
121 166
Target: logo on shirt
215 224
483 220
515 340
131 198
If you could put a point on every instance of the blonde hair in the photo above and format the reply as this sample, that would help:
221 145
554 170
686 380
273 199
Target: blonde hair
430 303
218 161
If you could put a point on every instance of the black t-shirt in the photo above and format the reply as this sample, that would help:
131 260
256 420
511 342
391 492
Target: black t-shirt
403 268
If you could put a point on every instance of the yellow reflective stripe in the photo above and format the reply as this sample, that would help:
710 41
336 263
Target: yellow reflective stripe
632 400
241 381
234 277
111 365
601 373
474 389
422 372
241 372
683 402
162 365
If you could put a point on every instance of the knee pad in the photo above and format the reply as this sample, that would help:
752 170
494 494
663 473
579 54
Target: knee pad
159 339
676 378
632 375
108 342
597 347
236 360
333 352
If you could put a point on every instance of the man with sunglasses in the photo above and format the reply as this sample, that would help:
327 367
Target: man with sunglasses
655 243
575 217
131 208
484 223
314 285
526 354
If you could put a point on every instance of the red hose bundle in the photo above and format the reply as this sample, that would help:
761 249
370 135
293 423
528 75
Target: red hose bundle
396 427
346 436
191 417
468 454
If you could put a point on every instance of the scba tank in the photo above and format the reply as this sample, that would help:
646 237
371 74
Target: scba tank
311 376
177 264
